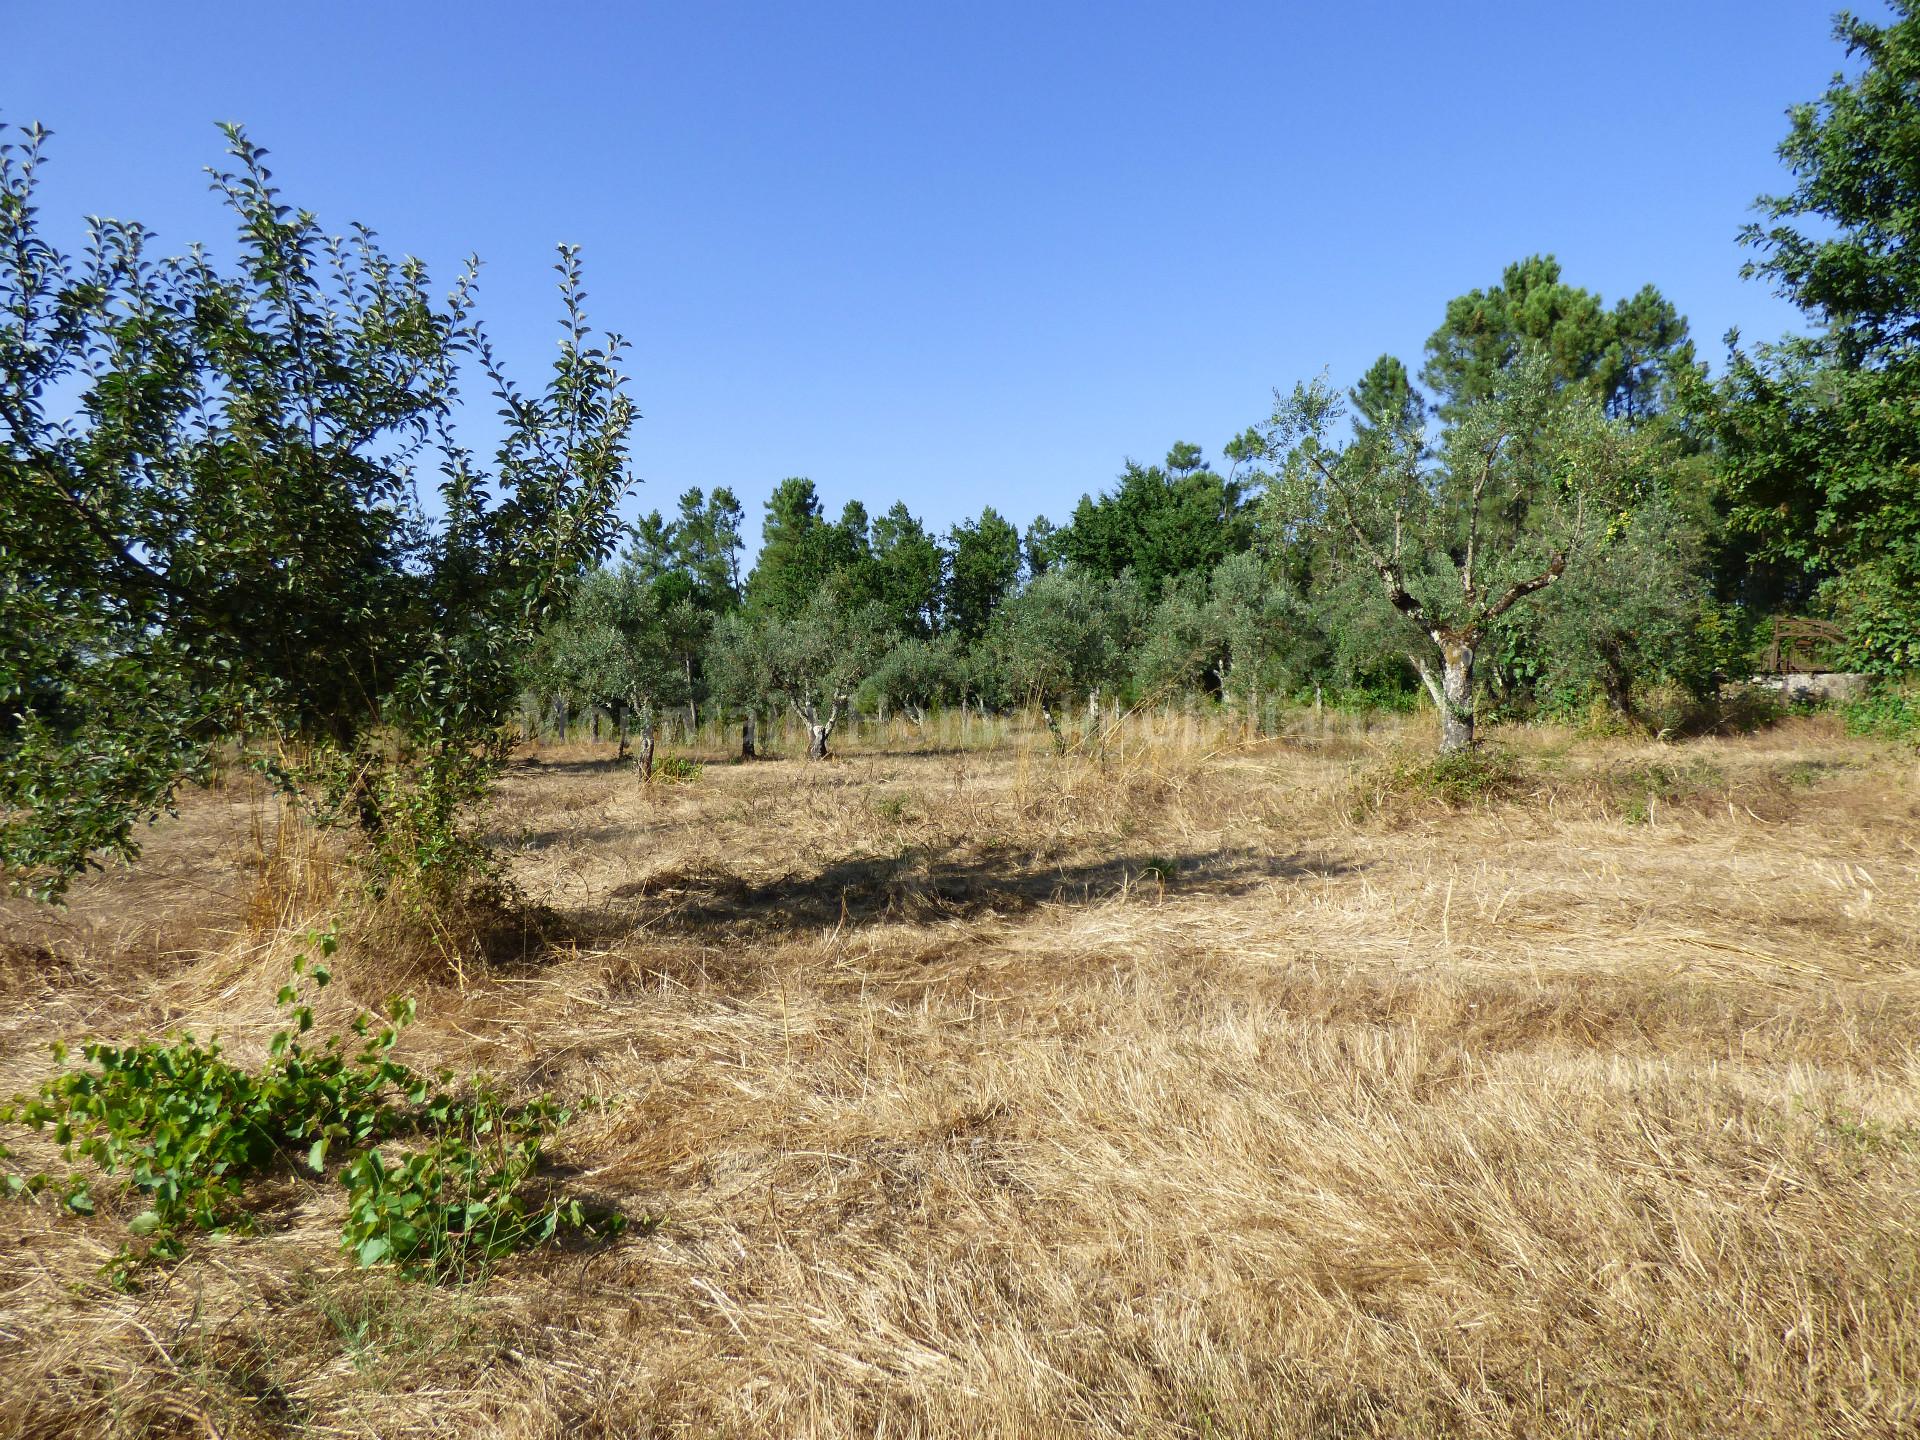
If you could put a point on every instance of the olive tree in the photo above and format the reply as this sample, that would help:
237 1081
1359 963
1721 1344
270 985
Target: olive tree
739 672
616 649
812 661
1454 535
917 673
818 658
1264 635
1183 646
1061 635
1628 611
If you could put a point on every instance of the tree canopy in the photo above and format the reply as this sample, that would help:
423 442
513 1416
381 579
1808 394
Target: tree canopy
1821 433
224 535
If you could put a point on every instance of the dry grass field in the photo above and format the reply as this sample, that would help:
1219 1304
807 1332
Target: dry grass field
1213 1089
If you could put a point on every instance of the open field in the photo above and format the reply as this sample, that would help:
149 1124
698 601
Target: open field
1205 1091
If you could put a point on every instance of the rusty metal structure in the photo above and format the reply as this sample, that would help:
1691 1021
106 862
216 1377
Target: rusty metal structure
1797 646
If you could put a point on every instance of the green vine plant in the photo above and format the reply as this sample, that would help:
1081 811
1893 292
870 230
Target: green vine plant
437 1178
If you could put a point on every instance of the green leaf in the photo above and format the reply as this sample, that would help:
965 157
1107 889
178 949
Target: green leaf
145 1223
373 1250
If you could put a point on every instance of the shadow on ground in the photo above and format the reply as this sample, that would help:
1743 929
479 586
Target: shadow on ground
917 886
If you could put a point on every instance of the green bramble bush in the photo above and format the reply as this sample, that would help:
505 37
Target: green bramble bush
191 1134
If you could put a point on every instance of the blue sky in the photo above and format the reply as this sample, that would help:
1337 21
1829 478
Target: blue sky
959 254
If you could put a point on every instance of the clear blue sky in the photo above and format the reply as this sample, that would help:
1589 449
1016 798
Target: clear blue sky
964 253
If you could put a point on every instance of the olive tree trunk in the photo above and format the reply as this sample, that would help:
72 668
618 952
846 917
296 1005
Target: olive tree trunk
747 735
1053 728
1616 677
818 730
1453 692
645 762
1456 715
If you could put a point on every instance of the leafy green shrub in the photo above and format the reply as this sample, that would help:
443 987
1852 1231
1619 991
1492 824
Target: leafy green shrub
1672 711
461 1200
191 1132
213 528
418 814
676 770
1891 712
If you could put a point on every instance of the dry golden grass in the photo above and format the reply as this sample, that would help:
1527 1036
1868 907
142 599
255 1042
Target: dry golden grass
1196 1090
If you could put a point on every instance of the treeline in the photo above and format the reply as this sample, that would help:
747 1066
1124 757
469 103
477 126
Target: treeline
1560 507
1189 579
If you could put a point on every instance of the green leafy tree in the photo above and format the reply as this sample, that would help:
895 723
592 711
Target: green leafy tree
794 559
1456 536
906 569
1385 396
985 559
1264 634
1821 433
617 649
1159 522
802 551
1632 609
813 661
208 492
1625 357
696 555
739 671
1040 546
917 673
707 546
1183 648
1061 636
818 658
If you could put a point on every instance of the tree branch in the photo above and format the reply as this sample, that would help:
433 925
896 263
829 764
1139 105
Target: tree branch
143 575
1473 516
1426 678
1520 589
1389 572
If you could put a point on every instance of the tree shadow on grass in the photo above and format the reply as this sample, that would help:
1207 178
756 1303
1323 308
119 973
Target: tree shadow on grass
917 886
590 765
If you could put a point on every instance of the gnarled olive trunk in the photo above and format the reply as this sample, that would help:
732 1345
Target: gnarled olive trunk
645 763
747 736
1453 692
1456 695
818 730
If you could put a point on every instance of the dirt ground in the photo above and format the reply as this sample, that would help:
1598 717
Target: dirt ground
1212 1088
